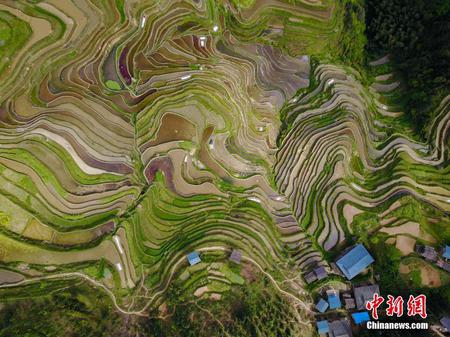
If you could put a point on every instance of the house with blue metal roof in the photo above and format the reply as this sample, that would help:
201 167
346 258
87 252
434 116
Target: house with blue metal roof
334 299
322 305
193 258
446 252
322 327
354 261
361 317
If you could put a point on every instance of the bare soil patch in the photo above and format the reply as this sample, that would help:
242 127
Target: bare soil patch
248 272
405 244
430 276
350 212
391 241
200 291
7 276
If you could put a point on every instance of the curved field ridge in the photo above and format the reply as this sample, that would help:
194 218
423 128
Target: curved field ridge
135 134
338 149
132 135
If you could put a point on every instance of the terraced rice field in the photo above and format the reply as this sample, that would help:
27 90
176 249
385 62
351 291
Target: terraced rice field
134 134
339 157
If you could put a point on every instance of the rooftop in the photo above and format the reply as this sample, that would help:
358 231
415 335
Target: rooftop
310 277
340 328
361 317
322 305
446 252
429 253
193 258
446 266
349 303
354 261
322 327
443 264
445 321
320 272
333 299
364 294
236 256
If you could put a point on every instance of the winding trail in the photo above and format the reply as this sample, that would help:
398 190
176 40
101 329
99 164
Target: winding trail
142 312
76 275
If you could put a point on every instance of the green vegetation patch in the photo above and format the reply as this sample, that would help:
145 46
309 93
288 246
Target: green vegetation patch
416 35
419 212
243 3
231 276
353 37
113 85
14 33
62 311
4 219
121 8
363 223
256 309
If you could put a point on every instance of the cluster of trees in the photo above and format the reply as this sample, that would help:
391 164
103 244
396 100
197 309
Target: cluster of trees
73 312
254 310
386 267
416 33
353 38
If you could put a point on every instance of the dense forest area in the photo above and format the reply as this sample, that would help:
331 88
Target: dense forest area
82 311
416 34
